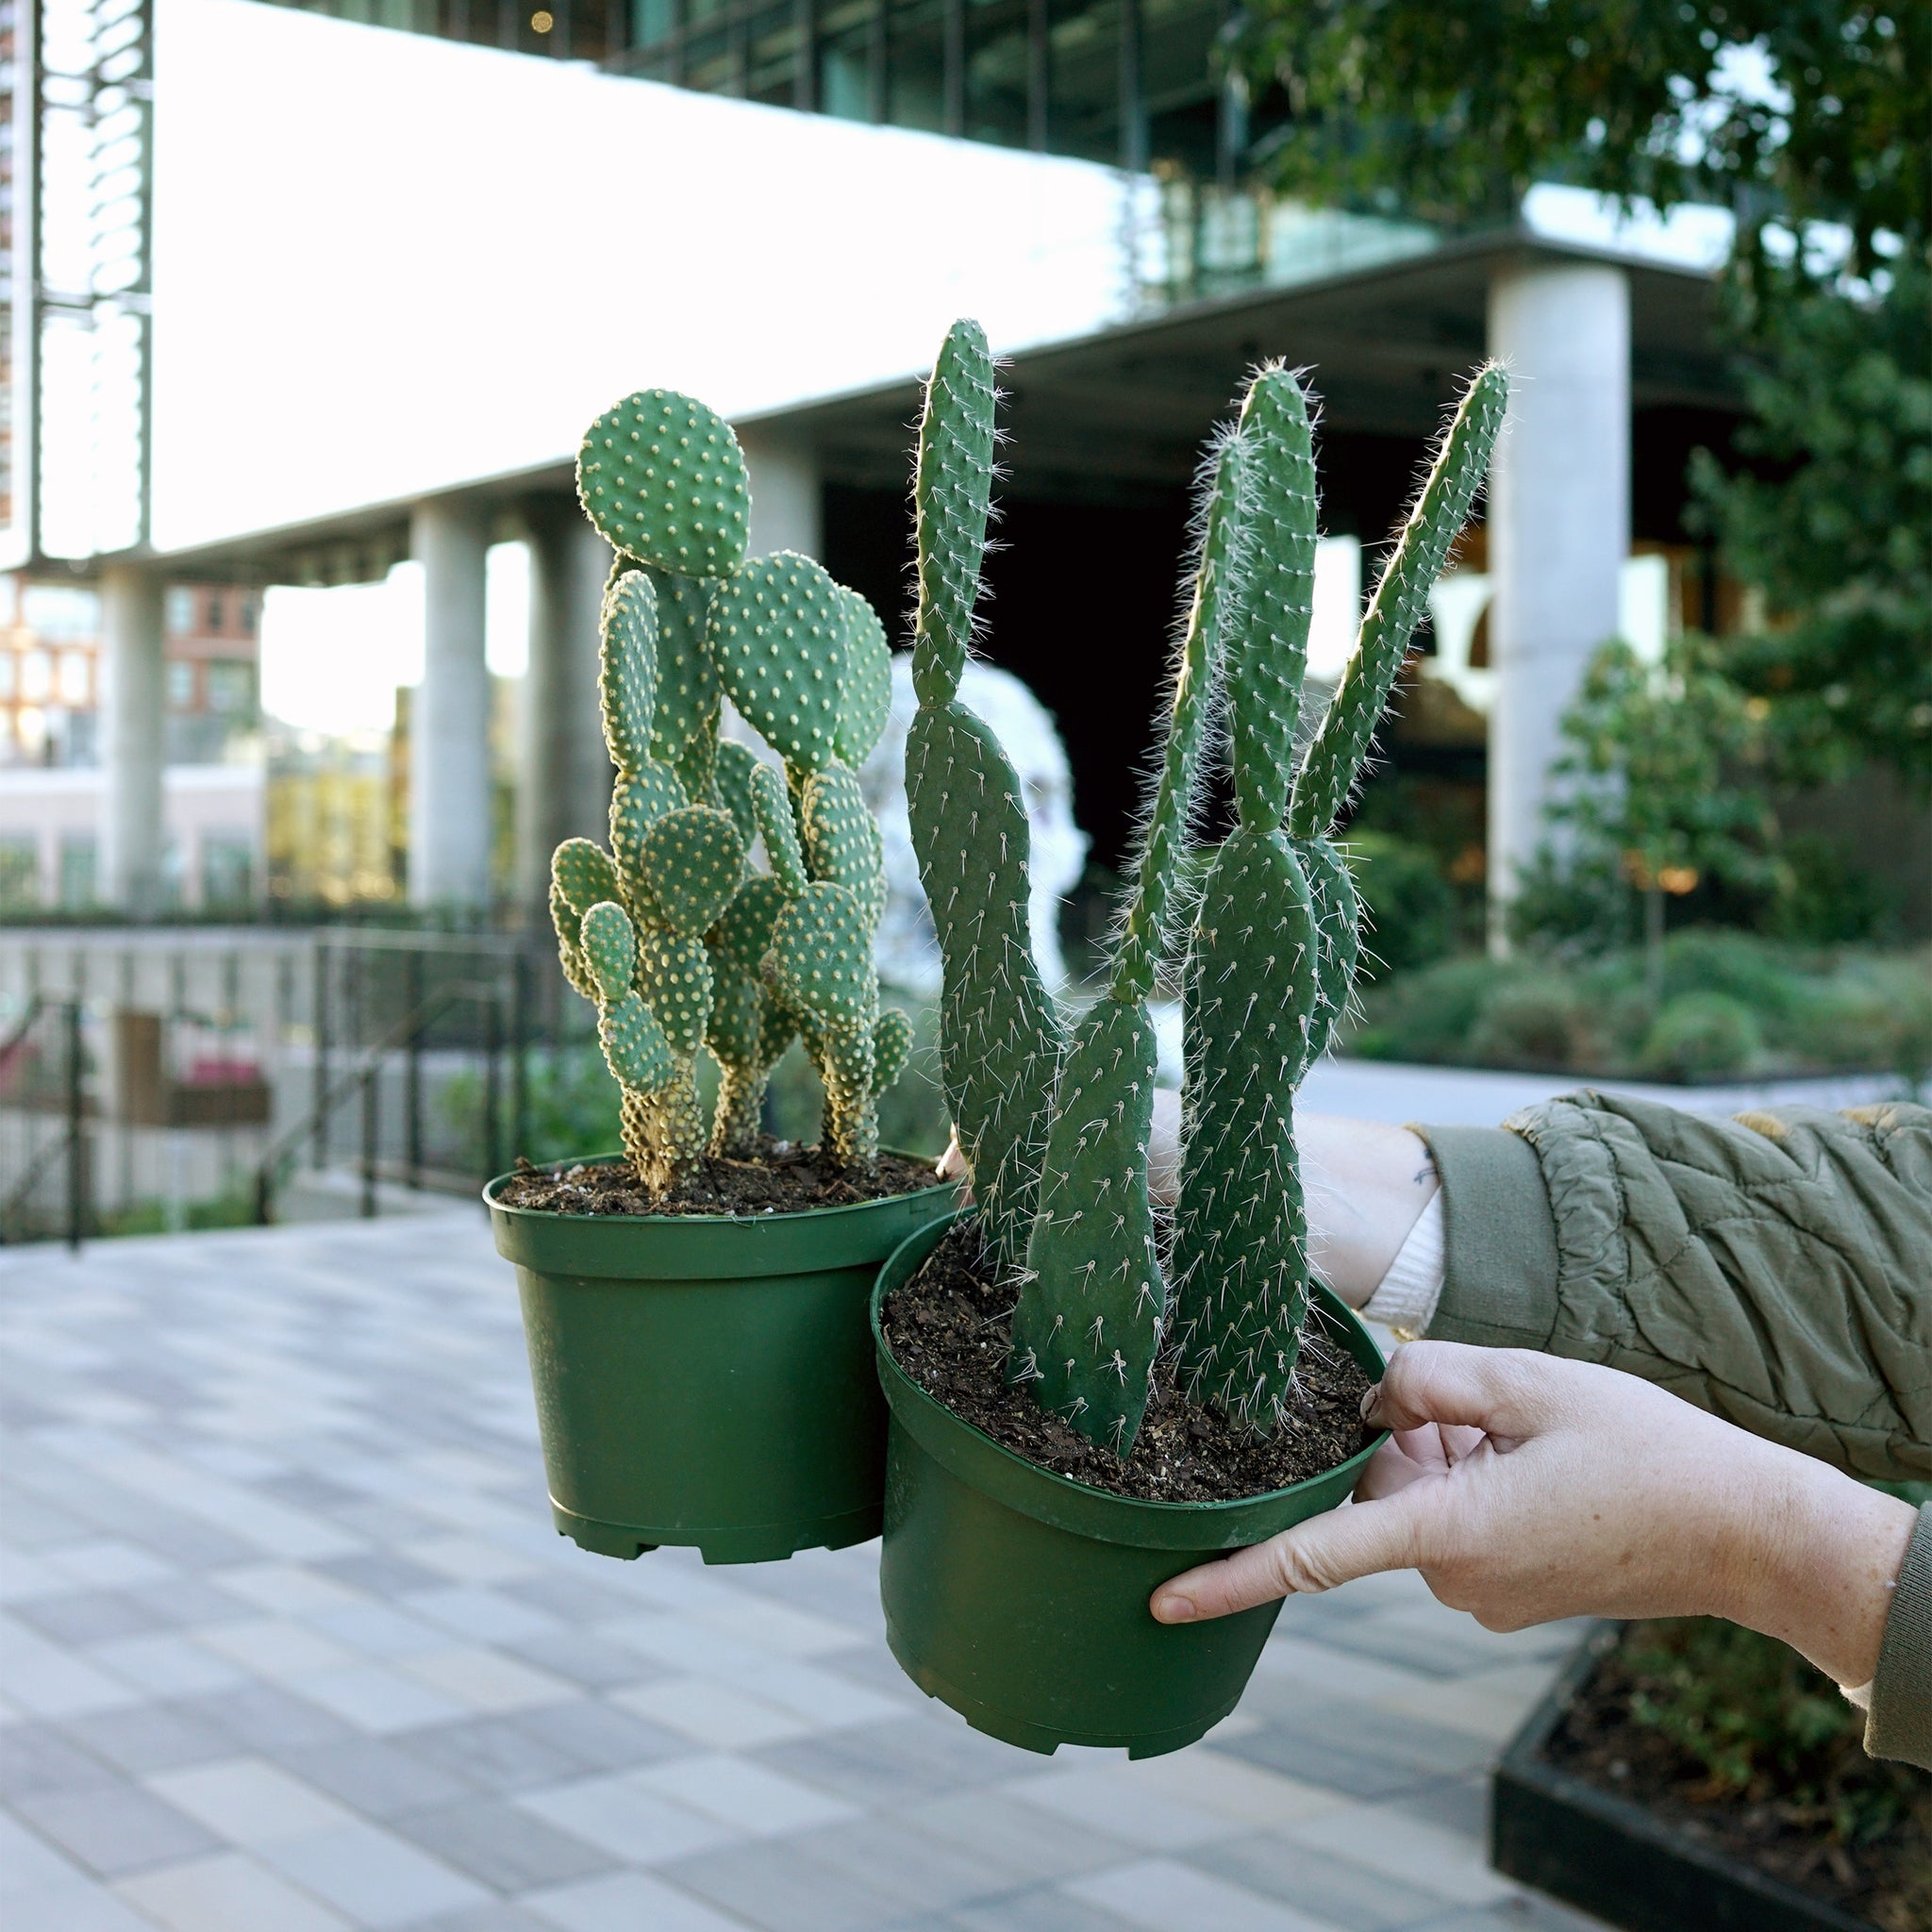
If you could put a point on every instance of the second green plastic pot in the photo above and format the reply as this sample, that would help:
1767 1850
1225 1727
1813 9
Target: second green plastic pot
707 1380
1020 1598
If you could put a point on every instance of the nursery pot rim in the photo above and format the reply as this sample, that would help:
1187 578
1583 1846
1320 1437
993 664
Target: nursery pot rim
792 1215
1079 1509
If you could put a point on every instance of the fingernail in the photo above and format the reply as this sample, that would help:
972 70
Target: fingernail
1174 1609
1372 1397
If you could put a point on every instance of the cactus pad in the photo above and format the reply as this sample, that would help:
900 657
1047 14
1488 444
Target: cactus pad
1337 918
611 948
865 702
1401 597
692 864
635 1046
1088 1318
1240 1270
627 668
841 836
891 1046
999 1029
1268 644
687 686
731 777
777 640
663 479
637 802
822 956
582 873
953 490
743 931
675 978
771 805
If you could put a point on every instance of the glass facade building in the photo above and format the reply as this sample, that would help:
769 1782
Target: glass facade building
1132 83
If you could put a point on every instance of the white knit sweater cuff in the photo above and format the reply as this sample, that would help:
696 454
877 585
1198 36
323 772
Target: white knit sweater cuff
1406 1302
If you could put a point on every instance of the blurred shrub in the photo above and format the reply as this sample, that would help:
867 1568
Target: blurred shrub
1732 1004
1410 915
1700 1036
1540 1022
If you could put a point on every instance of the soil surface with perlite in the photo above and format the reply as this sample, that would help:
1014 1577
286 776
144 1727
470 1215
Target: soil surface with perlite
949 1329
782 1178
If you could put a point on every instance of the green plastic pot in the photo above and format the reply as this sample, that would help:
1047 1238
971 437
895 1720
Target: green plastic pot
707 1380
1020 1598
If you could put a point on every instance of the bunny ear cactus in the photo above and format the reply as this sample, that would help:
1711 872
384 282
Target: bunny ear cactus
682 942
1061 1128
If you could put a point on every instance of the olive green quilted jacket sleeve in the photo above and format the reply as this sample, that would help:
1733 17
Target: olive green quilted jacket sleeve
1774 1269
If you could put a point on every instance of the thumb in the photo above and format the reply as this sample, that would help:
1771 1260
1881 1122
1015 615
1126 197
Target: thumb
1336 1547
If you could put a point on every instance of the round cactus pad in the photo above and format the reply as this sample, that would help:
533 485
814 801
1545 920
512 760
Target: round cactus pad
611 948
662 477
822 956
635 1046
743 935
692 864
674 976
866 701
777 637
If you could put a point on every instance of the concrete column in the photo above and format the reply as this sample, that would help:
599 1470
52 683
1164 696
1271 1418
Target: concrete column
132 829
787 498
1559 530
563 778
449 717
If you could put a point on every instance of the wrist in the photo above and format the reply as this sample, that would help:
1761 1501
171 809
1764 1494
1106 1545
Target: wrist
1819 1569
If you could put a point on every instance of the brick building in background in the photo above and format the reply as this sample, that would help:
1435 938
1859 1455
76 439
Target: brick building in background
50 784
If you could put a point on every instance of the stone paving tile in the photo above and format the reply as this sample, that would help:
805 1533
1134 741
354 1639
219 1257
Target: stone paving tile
503 1846
1328 1888
775 1886
1165 1896
230 1893
287 1643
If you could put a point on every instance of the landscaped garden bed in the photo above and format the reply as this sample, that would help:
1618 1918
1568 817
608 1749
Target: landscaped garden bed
1685 1776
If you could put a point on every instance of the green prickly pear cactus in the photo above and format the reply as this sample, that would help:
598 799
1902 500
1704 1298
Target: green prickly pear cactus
1057 1129
681 938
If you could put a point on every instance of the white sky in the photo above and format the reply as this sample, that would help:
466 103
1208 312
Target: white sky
332 659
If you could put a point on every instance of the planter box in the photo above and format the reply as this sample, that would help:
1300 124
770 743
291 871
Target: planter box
1618 1860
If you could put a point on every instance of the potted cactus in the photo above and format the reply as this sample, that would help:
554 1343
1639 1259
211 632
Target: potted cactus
1012 1590
703 1376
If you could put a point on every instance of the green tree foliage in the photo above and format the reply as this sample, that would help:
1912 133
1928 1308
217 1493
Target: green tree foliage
1808 119
1797 110
1840 544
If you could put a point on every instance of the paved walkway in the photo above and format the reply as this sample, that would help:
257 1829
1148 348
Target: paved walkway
286 1643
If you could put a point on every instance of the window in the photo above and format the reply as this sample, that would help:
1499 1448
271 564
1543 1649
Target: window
181 684
36 677
180 612
74 677
77 870
60 611
214 616
228 870
9 674
20 872
231 686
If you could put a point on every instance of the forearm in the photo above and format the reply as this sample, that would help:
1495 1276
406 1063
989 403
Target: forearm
1816 1562
1367 1185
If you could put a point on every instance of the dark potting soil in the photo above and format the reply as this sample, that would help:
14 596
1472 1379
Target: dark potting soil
782 1178
948 1328
1814 1811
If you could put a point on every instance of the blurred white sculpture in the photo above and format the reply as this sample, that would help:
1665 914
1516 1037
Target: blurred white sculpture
908 955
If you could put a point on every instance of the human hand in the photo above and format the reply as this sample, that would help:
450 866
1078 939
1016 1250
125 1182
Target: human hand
1525 1488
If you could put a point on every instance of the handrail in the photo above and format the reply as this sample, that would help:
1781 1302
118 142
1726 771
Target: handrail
364 1075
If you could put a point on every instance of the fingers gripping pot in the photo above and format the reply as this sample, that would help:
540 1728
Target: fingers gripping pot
708 1380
